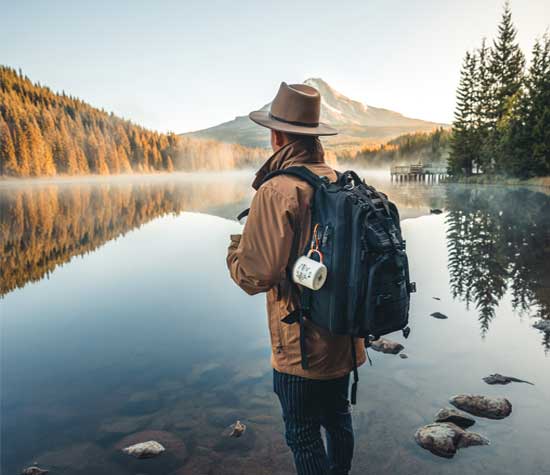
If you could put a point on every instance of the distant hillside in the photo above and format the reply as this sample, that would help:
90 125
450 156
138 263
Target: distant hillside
357 123
426 147
44 134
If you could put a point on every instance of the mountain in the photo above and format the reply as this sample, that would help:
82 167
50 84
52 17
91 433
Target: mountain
357 123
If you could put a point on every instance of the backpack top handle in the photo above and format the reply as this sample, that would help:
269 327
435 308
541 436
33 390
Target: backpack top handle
301 172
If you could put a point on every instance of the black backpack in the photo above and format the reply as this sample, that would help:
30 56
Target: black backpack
367 290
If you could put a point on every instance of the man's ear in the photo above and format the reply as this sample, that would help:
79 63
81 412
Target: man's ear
279 139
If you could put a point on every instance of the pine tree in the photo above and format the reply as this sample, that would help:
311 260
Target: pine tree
507 68
507 64
8 160
484 106
464 147
538 110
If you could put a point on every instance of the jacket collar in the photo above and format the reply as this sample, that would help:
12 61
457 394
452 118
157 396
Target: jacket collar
291 154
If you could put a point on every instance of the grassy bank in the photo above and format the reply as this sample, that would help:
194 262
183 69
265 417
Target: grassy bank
501 180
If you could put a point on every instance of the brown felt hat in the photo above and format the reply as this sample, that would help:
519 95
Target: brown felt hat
296 110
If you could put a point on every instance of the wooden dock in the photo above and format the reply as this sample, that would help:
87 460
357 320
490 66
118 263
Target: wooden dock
418 172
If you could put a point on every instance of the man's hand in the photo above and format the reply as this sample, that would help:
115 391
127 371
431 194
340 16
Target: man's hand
235 240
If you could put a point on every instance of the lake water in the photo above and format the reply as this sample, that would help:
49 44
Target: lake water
118 316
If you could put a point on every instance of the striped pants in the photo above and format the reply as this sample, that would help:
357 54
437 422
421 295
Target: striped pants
307 405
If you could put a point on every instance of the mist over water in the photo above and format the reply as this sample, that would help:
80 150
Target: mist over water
119 316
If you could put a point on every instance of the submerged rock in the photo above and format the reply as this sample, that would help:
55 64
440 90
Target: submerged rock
483 406
168 441
542 325
435 211
445 438
500 379
439 316
144 450
403 356
34 470
458 418
387 346
236 430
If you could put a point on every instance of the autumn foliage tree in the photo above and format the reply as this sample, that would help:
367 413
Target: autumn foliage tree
44 134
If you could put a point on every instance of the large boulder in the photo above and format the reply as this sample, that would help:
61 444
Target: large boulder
449 414
445 438
483 406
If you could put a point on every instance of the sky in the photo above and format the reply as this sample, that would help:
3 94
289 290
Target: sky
185 65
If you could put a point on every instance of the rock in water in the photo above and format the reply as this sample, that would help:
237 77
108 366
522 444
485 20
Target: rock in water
386 346
237 429
435 211
34 470
439 316
436 298
500 379
542 325
483 406
403 356
445 438
456 417
144 450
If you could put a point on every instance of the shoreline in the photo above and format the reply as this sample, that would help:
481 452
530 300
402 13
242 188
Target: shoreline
122 177
539 182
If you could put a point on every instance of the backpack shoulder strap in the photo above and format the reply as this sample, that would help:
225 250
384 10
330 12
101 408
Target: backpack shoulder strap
301 172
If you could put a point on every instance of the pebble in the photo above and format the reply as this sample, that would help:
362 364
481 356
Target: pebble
34 470
237 429
542 325
387 346
500 379
439 316
144 450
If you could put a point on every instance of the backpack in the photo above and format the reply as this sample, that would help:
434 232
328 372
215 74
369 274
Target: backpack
367 289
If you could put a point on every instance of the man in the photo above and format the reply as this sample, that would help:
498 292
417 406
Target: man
275 235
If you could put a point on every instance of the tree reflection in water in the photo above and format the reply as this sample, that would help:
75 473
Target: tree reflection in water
499 239
44 226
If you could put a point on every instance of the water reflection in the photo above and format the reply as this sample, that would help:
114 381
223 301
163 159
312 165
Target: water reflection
148 334
499 240
44 226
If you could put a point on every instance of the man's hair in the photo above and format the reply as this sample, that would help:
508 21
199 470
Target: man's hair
308 140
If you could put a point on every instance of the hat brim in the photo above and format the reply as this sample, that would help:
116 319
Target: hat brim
264 119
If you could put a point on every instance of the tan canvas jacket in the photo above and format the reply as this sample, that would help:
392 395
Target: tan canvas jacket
274 236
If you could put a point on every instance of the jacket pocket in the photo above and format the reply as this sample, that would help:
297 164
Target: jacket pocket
274 322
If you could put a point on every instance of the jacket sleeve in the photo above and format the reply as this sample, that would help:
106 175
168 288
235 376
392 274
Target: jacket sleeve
259 261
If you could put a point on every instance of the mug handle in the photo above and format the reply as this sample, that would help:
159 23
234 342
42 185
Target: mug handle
319 253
